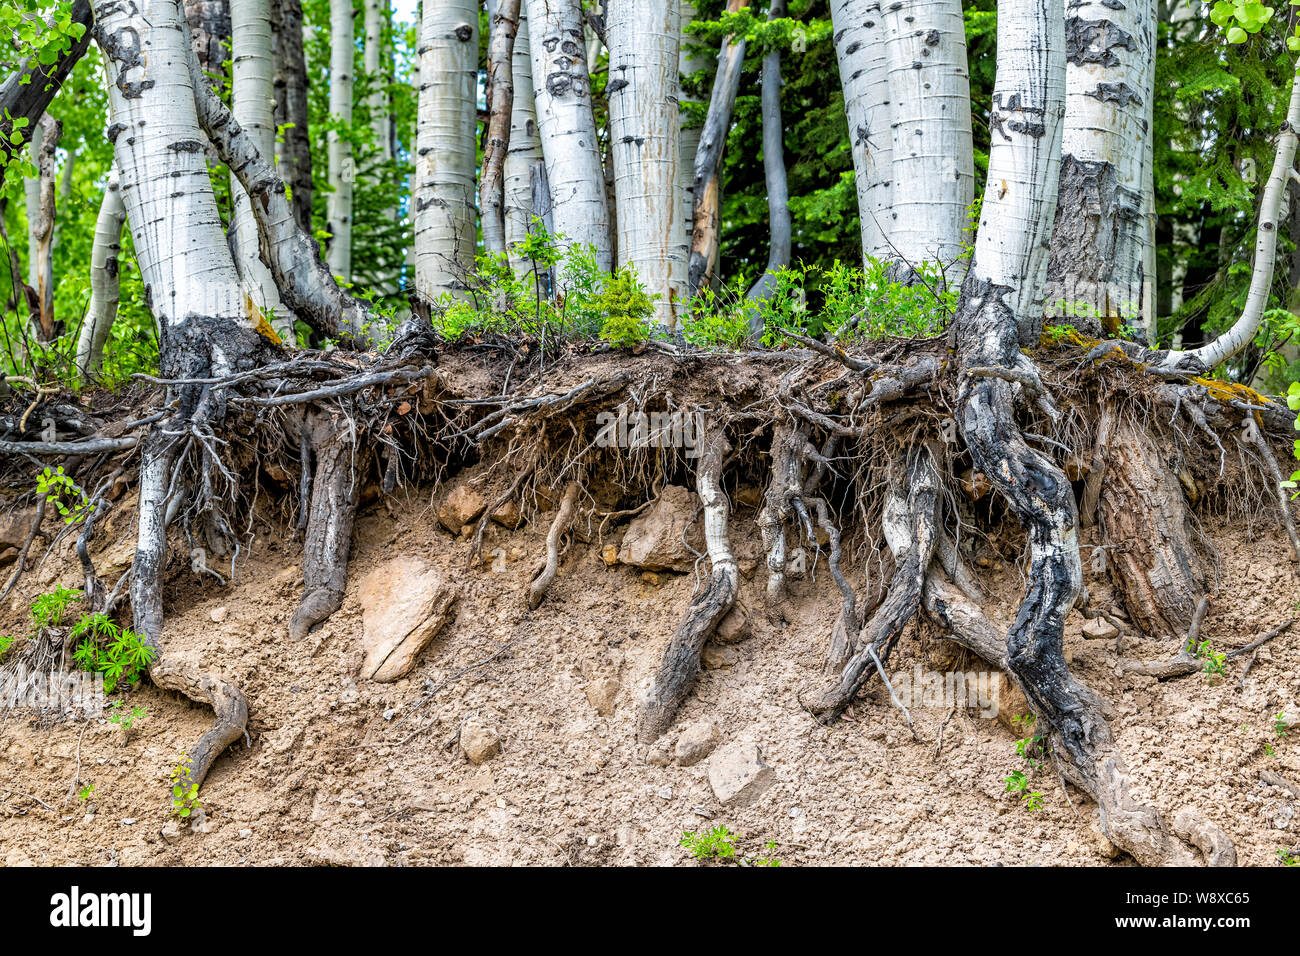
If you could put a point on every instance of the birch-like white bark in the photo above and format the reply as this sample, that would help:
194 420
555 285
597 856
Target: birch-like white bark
376 17
305 282
104 284
860 48
689 63
252 103
41 213
932 163
180 246
446 147
567 126
1242 332
1099 247
342 168
504 17
525 149
644 42
1024 158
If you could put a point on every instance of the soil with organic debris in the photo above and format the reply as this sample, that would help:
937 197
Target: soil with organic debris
514 736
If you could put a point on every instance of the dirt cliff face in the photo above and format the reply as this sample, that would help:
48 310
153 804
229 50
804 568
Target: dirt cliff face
513 737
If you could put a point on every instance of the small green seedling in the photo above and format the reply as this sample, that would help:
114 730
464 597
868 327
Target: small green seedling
124 718
715 845
185 792
719 844
86 792
1280 724
65 494
770 859
1214 660
1288 857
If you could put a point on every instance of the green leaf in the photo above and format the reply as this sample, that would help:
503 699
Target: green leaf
1236 35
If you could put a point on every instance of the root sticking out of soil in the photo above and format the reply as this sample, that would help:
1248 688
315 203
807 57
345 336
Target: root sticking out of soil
899 466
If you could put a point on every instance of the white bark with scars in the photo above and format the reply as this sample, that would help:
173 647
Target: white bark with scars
932 163
180 246
525 148
376 16
688 132
1099 246
446 148
1243 330
305 282
252 103
342 168
861 52
643 61
39 194
567 126
1024 158
104 285
504 19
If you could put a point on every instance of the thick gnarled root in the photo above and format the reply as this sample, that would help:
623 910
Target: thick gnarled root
681 660
788 496
559 528
911 526
225 698
1041 498
1143 511
335 492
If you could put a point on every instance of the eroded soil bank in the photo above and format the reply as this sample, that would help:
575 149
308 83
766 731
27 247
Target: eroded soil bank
340 770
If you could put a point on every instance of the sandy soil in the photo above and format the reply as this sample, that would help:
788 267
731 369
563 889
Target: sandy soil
342 771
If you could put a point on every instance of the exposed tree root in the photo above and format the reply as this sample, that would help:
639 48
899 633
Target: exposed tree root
1143 512
336 490
912 531
310 419
1040 496
681 660
559 527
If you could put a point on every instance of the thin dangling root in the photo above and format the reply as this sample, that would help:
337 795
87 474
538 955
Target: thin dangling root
1250 435
785 499
847 624
563 520
681 660
335 493
225 698
911 524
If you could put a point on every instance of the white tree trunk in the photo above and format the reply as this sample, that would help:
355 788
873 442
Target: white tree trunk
644 40
342 169
1099 247
504 18
525 147
446 147
932 163
1024 159
104 285
252 103
377 15
688 143
860 47
185 264
562 89
1243 330
41 213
